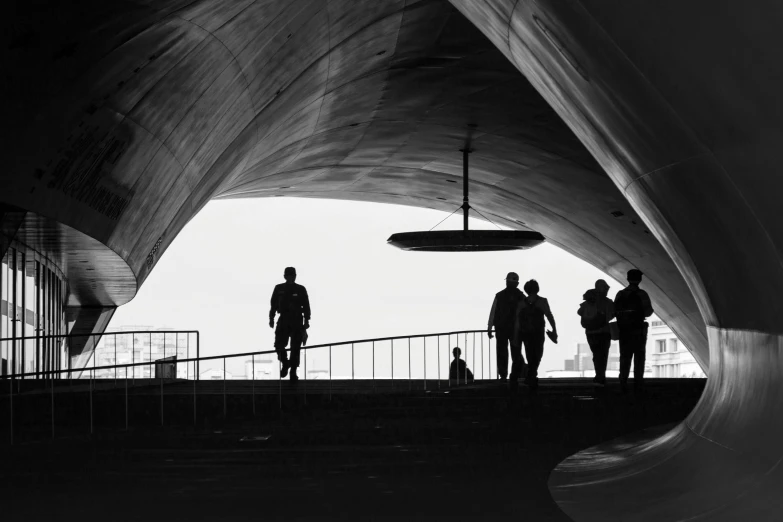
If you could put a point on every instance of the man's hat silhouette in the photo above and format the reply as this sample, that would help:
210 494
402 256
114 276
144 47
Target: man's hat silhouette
634 275
512 276
289 270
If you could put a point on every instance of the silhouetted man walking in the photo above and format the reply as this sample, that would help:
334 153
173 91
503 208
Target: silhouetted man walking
291 302
632 306
596 312
531 327
502 318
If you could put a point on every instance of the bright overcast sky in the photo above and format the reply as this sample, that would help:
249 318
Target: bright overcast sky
217 277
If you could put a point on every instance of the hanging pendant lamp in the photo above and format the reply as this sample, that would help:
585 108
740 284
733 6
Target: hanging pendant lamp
466 240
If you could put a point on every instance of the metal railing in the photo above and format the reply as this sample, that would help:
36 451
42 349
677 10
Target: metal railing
171 370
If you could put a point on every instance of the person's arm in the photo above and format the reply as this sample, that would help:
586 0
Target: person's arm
491 320
273 308
646 304
549 316
306 306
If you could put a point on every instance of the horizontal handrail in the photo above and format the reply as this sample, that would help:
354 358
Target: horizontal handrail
227 356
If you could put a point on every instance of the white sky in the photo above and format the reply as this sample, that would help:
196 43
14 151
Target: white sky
217 277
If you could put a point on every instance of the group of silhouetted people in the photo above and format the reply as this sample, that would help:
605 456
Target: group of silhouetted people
518 318
631 306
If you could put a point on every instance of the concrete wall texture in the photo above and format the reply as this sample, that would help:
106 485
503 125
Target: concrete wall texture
632 134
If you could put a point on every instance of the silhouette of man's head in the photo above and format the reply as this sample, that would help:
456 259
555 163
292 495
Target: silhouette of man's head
512 280
602 287
290 274
634 276
531 287
457 352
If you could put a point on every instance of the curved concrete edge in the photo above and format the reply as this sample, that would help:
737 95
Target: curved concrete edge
720 464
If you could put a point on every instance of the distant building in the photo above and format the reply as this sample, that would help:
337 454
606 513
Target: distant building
668 356
264 368
215 374
120 346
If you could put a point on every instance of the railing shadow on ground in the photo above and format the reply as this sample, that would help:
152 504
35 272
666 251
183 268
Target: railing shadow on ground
101 395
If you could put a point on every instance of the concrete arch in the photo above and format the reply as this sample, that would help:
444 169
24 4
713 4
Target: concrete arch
128 117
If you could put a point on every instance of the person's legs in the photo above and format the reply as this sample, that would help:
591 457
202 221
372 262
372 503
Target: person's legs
534 349
639 356
296 347
599 345
281 341
626 354
501 345
517 361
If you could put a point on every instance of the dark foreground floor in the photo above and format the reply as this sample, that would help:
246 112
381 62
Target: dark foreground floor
471 454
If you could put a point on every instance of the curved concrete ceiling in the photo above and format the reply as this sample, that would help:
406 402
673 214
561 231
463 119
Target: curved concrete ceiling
155 111
631 136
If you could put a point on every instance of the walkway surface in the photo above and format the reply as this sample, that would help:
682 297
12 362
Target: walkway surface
472 453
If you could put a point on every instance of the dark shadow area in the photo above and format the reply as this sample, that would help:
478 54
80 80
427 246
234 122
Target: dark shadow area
357 450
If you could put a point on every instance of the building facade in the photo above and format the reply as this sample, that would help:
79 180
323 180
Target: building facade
33 297
666 356
128 345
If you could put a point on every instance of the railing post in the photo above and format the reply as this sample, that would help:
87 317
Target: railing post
474 357
305 374
198 357
195 423
425 363
373 365
151 355
126 396
447 358
410 383
91 379
439 362
482 357
115 359
11 409
330 373
161 396
352 374
224 388
52 385
392 362
133 357
253 383
280 385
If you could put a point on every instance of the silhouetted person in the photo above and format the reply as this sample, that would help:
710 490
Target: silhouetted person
531 327
291 302
459 369
632 306
502 318
596 312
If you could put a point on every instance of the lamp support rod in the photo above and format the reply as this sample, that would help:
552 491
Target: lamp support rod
465 200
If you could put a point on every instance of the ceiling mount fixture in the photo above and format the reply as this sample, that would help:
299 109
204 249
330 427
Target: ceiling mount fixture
466 240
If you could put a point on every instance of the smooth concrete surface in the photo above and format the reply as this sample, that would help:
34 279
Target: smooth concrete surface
676 103
128 117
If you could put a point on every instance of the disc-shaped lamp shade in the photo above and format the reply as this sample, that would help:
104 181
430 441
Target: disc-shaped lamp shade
466 240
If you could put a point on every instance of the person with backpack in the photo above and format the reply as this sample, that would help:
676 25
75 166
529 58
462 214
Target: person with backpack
596 311
530 328
631 307
501 316
290 300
